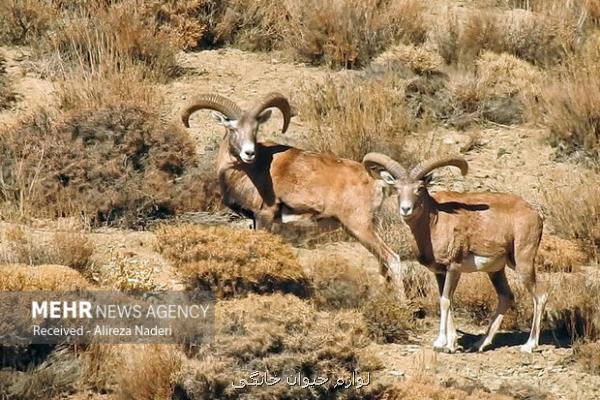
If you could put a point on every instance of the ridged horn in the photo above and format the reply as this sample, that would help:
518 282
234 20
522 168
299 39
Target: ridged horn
211 101
392 166
425 167
277 100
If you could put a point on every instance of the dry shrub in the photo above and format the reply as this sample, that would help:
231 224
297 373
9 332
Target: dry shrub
7 95
250 25
417 58
119 164
335 284
348 33
556 254
423 387
147 372
25 21
126 274
498 90
340 33
574 213
588 356
138 371
356 116
386 319
100 365
18 278
505 75
570 108
542 38
72 249
55 378
231 261
283 335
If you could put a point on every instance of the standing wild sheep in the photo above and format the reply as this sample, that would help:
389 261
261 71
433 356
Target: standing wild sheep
467 232
271 183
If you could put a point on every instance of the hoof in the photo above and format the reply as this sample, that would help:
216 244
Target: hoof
528 348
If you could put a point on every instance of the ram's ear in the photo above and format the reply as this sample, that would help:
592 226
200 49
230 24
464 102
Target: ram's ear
387 177
223 120
264 117
427 179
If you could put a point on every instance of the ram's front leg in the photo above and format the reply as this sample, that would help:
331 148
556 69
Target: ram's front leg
447 338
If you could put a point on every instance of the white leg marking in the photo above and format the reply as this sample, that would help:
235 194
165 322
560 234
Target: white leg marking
534 336
442 339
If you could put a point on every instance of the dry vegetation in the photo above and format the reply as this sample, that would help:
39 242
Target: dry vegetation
105 153
18 277
230 261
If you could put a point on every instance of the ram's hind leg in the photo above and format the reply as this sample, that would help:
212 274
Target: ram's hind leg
363 231
526 246
505 300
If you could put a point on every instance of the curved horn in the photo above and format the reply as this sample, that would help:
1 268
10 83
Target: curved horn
392 166
278 100
425 167
212 102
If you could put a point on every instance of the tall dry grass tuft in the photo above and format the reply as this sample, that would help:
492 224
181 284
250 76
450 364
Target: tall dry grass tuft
148 372
230 262
574 212
570 108
356 116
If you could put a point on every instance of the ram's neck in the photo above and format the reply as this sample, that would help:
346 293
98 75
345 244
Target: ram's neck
421 228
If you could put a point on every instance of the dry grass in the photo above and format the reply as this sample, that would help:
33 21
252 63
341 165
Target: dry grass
232 261
423 387
575 213
284 335
379 120
17 278
417 58
498 90
348 33
148 372
340 33
559 255
72 249
587 356
570 108
542 38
